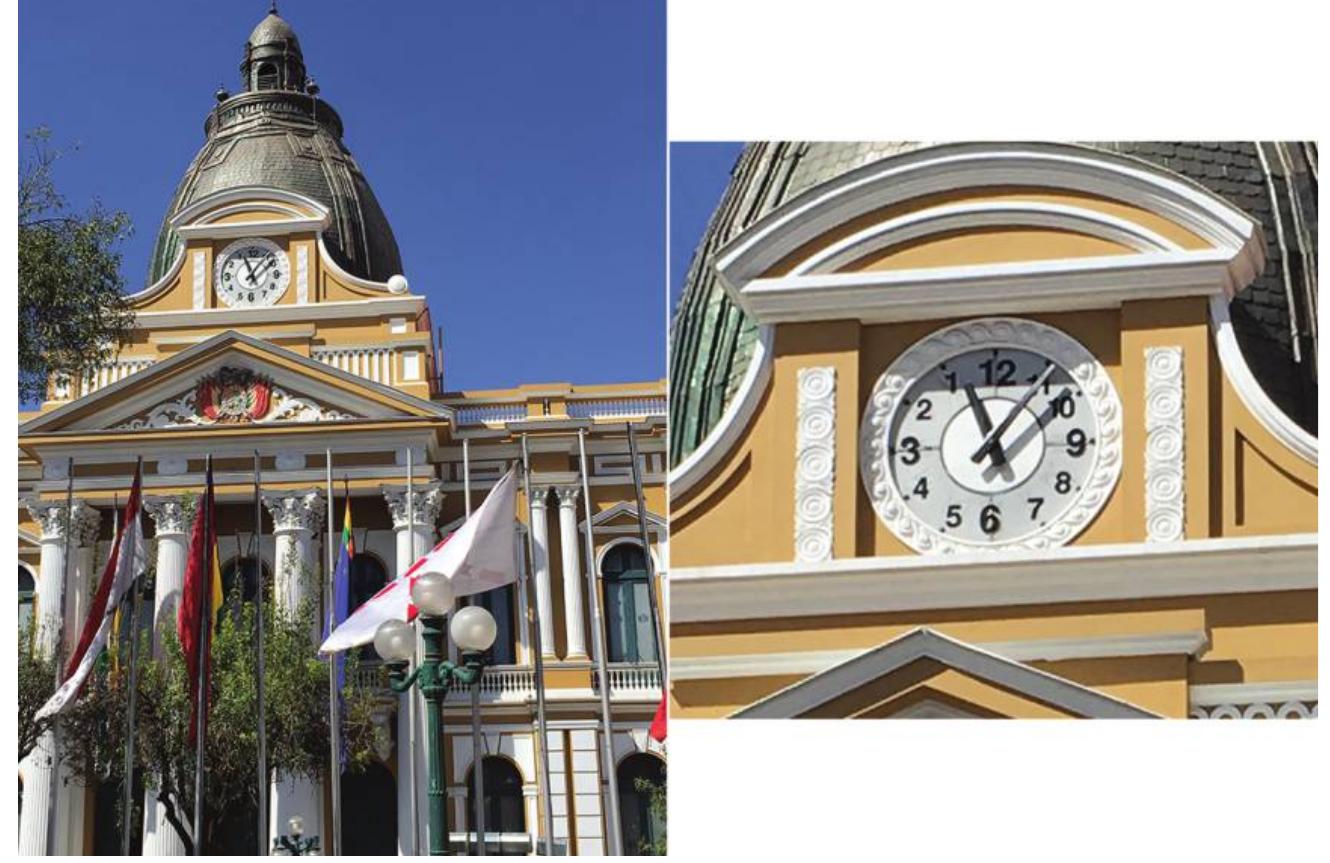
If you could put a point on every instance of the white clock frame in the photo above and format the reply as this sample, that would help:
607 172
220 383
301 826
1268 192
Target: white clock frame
225 253
941 345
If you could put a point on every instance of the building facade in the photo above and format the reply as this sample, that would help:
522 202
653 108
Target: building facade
999 430
277 321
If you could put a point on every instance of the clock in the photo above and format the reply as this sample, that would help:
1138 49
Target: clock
996 433
252 272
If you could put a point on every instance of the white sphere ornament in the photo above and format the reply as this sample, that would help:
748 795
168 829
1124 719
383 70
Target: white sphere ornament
473 628
397 284
433 593
395 640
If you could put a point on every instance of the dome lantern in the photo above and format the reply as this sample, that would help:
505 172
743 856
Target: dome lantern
273 60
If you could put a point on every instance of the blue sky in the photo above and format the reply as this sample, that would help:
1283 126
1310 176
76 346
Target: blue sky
699 172
517 148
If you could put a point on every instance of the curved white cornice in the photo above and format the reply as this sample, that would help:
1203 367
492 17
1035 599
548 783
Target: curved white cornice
157 287
219 201
983 214
733 422
1249 390
978 165
330 264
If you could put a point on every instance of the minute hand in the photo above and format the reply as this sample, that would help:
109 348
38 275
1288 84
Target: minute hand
996 434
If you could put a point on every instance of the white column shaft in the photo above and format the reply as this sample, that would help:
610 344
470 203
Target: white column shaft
541 543
574 629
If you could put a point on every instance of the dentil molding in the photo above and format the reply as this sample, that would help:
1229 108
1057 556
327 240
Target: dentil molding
814 463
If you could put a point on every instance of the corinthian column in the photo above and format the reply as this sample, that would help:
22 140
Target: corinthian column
297 517
540 543
572 572
415 536
54 619
172 517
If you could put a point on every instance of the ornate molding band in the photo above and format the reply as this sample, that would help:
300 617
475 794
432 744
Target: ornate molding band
1257 710
428 498
186 411
295 510
1165 479
814 464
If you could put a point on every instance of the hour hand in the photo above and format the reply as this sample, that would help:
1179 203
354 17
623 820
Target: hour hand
985 425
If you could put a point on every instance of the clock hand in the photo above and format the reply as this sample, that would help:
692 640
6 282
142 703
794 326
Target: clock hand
248 266
996 435
985 424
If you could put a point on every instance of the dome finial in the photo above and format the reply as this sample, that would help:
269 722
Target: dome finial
272 7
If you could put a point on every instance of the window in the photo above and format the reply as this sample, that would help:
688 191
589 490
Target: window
505 809
266 77
27 592
499 602
631 631
368 576
637 775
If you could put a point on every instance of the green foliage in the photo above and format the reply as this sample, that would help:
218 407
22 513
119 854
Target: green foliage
72 312
657 847
36 682
295 704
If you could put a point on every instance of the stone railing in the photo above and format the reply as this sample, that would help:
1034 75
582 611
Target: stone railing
375 364
631 679
517 683
617 407
492 413
104 376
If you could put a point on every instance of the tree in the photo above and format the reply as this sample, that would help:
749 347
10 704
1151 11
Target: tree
72 312
36 681
296 707
656 800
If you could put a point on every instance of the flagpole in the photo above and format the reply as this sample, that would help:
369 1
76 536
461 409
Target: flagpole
661 662
128 808
411 696
205 634
543 773
478 759
614 835
51 799
261 667
334 718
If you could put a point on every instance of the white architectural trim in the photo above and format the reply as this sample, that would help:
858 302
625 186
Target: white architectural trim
624 509
950 167
168 278
923 643
330 264
1165 450
628 540
973 580
1247 693
258 228
199 285
978 215
254 196
884 401
1188 643
288 312
734 422
1250 392
1068 284
814 463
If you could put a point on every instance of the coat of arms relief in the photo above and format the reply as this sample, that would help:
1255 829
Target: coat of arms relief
233 396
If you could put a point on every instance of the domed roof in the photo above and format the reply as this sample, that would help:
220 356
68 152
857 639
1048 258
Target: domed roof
712 341
277 134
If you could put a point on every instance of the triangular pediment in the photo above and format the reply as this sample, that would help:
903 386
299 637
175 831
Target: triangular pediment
623 515
228 380
924 672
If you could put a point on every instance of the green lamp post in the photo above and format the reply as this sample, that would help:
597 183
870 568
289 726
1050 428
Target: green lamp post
473 630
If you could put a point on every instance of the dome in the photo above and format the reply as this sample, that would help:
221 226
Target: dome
1274 318
276 133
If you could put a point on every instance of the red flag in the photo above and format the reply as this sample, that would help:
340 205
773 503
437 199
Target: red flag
195 597
657 730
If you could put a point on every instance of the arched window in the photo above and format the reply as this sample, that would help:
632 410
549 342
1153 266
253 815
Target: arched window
266 77
632 633
638 775
371 794
240 582
499 602
368 576
27 592
505 809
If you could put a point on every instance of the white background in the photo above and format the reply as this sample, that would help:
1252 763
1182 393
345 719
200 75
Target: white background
961 791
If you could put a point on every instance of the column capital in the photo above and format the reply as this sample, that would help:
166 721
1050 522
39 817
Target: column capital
538 495
50 514
171 514
299 509
567 494
427 498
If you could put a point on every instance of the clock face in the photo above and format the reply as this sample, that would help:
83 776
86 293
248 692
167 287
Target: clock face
252 272
992 440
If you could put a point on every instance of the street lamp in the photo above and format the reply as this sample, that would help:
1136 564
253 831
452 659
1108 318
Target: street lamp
293 845
473 630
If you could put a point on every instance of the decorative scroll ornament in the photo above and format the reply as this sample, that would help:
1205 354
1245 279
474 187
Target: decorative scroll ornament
234 396
815 464
1165 482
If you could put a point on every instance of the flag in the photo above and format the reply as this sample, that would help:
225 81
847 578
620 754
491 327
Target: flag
199 591
128 560
479 556
341 588
657 730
